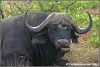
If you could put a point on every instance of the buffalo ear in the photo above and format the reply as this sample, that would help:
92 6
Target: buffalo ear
39 39
74 37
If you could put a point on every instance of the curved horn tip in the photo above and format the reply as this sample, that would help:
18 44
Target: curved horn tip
86 29
25 14
89 16
26 10
88 13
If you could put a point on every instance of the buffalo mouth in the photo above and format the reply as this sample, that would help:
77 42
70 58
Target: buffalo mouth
62 45
64 50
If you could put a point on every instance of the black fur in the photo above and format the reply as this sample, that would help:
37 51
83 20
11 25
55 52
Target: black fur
21 47
44 51
74 37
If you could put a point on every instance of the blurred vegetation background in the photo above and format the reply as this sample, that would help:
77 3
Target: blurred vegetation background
87 50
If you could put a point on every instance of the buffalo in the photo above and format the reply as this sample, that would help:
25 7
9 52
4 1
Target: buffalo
38 39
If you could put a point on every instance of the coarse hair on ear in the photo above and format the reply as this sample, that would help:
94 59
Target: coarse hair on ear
40 38
74 37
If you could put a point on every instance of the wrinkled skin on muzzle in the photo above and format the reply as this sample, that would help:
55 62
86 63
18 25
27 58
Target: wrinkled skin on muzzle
60 36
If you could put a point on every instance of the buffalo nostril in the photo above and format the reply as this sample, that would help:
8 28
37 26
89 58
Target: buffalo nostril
66 42
63 41
58 42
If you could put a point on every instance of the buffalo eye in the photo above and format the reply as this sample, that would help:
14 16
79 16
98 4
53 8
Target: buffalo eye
53 31
68 30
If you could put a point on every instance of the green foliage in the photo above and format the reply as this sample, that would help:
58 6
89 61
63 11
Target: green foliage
93 40
95 22
76 10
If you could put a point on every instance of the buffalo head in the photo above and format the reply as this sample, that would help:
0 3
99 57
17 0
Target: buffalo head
60 29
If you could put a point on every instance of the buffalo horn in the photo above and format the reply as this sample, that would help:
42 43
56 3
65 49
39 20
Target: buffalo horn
37 28
83 30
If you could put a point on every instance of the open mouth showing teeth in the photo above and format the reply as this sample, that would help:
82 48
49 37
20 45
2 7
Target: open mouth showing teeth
65 50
